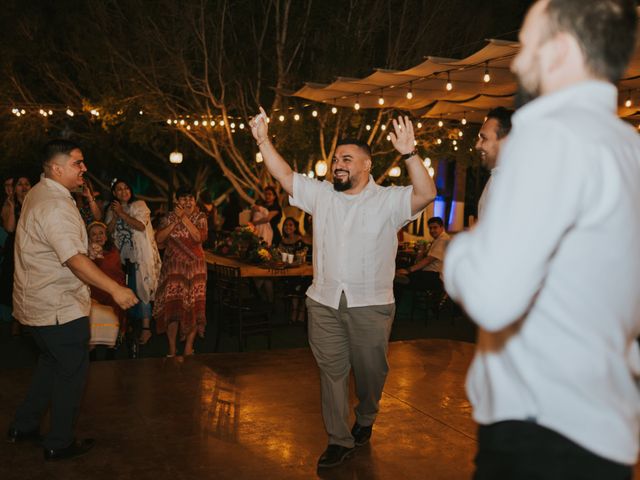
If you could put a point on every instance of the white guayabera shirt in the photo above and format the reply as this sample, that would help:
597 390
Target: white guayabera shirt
552 271
354 239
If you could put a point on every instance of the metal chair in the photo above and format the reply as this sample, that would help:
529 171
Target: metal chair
239 312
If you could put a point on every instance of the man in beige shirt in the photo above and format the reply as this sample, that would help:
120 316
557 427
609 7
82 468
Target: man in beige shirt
51 296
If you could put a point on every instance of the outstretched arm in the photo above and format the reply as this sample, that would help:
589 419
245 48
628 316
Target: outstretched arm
276 165
424 190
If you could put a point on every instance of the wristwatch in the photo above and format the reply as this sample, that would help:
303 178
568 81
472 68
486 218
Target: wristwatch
407 156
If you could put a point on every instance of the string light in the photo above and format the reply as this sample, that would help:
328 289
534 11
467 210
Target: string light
70 112
296 117
628 103
356 105
241 126
175 122
432 172
388 138
395 171
381 98
487 77
205 123
383 127
460 134
426 162
409 92
419 125
368 127
221 123
50 112
439 141
464 118
440 122
196 123
449 84
233 125
182 122
334 110
314 114
169 121
281 118
141 112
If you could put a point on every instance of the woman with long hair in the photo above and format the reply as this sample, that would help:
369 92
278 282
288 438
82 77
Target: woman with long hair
274 214
129 222
16 190
182 290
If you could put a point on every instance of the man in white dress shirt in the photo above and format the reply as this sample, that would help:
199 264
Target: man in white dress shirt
350 302
554 383
494 130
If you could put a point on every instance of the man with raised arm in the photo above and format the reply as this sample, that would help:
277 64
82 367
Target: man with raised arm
552 271
350 302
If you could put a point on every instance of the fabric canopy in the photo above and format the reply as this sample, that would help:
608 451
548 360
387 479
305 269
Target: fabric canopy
470 96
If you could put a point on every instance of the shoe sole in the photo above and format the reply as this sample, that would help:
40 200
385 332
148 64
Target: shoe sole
339 462
363 443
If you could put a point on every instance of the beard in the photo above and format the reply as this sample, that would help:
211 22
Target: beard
341 185
525 95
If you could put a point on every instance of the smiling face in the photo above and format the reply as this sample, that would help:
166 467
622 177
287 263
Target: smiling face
435 230
188 203
122 192
289 228
488 144
23 185
98 234
68 169
350 168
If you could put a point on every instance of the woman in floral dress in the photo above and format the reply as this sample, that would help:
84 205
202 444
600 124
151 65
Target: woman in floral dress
180 300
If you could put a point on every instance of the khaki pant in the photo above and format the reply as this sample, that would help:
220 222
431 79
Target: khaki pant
343 339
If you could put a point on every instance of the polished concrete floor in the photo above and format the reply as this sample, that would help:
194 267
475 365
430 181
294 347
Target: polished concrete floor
254 415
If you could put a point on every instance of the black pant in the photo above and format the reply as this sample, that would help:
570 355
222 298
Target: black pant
526 451
58 380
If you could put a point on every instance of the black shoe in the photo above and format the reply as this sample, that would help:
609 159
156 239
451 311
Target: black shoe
361 435
15 436
77 448
334 455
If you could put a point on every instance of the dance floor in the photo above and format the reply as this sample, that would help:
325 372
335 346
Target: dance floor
255 416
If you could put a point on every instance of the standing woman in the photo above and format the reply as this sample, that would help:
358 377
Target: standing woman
180 302
10 214
129 222
275 213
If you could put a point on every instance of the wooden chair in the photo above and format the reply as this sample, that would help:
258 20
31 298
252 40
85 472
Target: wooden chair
239 312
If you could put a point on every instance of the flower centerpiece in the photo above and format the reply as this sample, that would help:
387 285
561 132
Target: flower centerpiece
245 244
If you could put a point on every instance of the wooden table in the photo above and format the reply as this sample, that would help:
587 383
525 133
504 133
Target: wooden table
248 270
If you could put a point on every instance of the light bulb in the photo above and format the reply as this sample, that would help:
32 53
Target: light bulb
334 110
460 134
296 117
381 100
241 126
426 162
419 125
281 118
464 121
439 141
383 127
440 123
314 113
368 127
487 77
449 84
409 95
628 103
356 106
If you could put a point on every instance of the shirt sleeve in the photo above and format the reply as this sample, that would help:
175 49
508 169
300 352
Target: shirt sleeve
63 230
438 248
496 270
400 204
305 192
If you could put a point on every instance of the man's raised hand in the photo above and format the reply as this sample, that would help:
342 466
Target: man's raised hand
402 137
259 128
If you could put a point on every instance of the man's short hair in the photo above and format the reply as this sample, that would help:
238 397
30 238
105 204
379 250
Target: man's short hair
56 147
184 191
436 220
364 146
503 117
604 29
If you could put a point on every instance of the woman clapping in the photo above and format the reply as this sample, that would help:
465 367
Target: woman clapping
180 301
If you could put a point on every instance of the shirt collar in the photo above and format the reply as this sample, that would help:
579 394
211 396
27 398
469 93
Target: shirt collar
55 185
594 95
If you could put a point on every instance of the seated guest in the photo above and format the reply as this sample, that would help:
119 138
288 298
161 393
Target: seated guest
291 241
106 256
294 287
426 272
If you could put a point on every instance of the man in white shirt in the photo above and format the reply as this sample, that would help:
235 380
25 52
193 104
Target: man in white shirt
350 302
494 130
426 272
51 296
554 383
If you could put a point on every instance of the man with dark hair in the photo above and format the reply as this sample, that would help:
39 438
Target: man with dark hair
51 296
426 272
350 302
554 383
493 131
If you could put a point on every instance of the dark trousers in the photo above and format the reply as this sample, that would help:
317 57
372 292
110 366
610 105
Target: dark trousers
527 451
58 380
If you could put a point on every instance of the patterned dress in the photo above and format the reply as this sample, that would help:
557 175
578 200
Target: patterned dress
182 287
